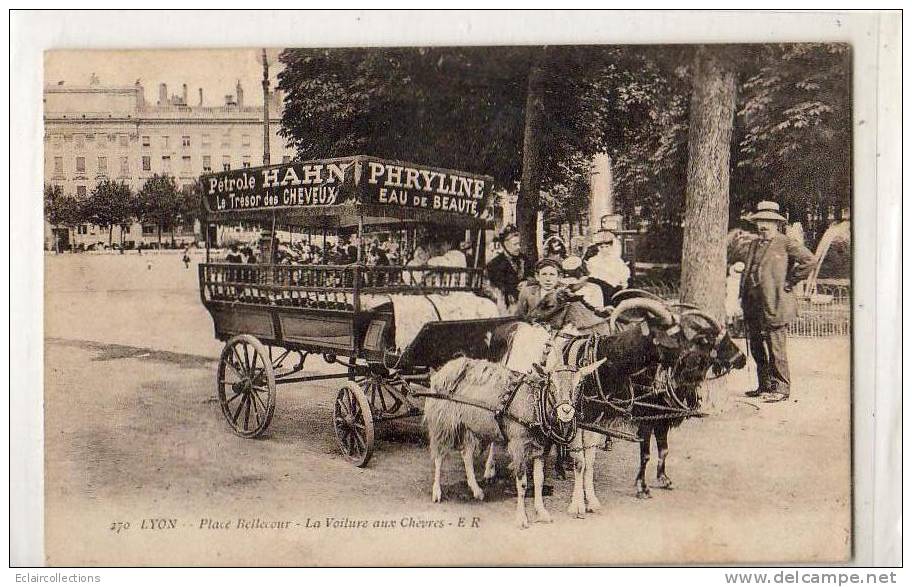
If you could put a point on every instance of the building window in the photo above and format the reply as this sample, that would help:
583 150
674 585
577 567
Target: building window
102 165
286 158
58 164
185 141
148 229
112 138
83 229
80 192
185 163
226 162
90 137
57 140
80 141
80 164
245 161
164 141
125 229
124 140
245 140
166 163
147 163
146 141
207 141
207 163
125 166
226 141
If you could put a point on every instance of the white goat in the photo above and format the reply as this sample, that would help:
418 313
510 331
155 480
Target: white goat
464 424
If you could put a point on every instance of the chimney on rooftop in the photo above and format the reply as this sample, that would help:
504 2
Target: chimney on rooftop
163 94
240 94
184 88
201 96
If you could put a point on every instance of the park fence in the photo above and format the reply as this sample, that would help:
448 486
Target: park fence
828 313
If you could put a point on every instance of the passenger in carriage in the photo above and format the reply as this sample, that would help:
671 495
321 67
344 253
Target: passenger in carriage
575 278
555 248
376 257
447 255
508 269
546 280
605 266
233 255
447 252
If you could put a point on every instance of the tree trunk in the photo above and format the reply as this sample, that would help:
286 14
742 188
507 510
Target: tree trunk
110 234
528 203
159 236
703 256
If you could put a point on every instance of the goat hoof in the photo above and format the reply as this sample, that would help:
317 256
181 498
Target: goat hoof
643 494
663 482
593 505
436 495
544 518
522 522
478 494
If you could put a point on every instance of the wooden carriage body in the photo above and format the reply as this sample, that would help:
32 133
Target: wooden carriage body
342 312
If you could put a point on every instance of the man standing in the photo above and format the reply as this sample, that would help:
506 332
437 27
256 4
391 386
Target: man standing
773 265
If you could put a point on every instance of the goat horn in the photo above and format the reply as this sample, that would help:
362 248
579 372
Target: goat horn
683 305
637 293
654 307
705 316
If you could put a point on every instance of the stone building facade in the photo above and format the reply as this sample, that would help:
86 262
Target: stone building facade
95 132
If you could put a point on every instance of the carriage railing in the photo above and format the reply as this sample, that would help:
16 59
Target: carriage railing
330 287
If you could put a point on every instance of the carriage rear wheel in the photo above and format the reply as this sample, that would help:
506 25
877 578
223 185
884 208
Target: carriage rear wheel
246 386
354 424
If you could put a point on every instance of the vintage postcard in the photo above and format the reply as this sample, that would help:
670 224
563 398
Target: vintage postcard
563 304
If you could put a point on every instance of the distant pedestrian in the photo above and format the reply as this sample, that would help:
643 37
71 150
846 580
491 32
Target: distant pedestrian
773 264
187 258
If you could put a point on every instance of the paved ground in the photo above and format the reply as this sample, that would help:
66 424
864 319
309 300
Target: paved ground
133 433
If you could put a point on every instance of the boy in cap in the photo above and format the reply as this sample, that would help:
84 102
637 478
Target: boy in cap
773 265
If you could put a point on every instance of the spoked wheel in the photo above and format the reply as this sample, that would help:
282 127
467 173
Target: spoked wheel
381 397
246 386
354 424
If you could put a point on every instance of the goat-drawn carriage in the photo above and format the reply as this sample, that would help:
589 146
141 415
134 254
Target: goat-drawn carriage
387 325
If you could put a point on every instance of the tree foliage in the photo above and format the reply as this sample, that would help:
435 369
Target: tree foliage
791 137
795 139
60 209
109 204
465 107
459 107
159 202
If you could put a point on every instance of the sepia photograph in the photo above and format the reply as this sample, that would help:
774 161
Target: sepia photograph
449 304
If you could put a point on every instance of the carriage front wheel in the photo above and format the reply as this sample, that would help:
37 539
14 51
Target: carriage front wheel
246 386
354 424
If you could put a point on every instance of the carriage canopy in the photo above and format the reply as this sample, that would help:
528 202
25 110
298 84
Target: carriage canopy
348 191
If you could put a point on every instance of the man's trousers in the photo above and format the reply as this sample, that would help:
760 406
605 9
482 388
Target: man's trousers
768 348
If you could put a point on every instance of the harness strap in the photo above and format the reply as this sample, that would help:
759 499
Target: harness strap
473 404
505 401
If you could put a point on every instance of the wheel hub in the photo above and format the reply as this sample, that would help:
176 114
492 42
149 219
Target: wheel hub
243 386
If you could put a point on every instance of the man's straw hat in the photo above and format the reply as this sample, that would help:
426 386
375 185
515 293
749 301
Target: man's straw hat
767 210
